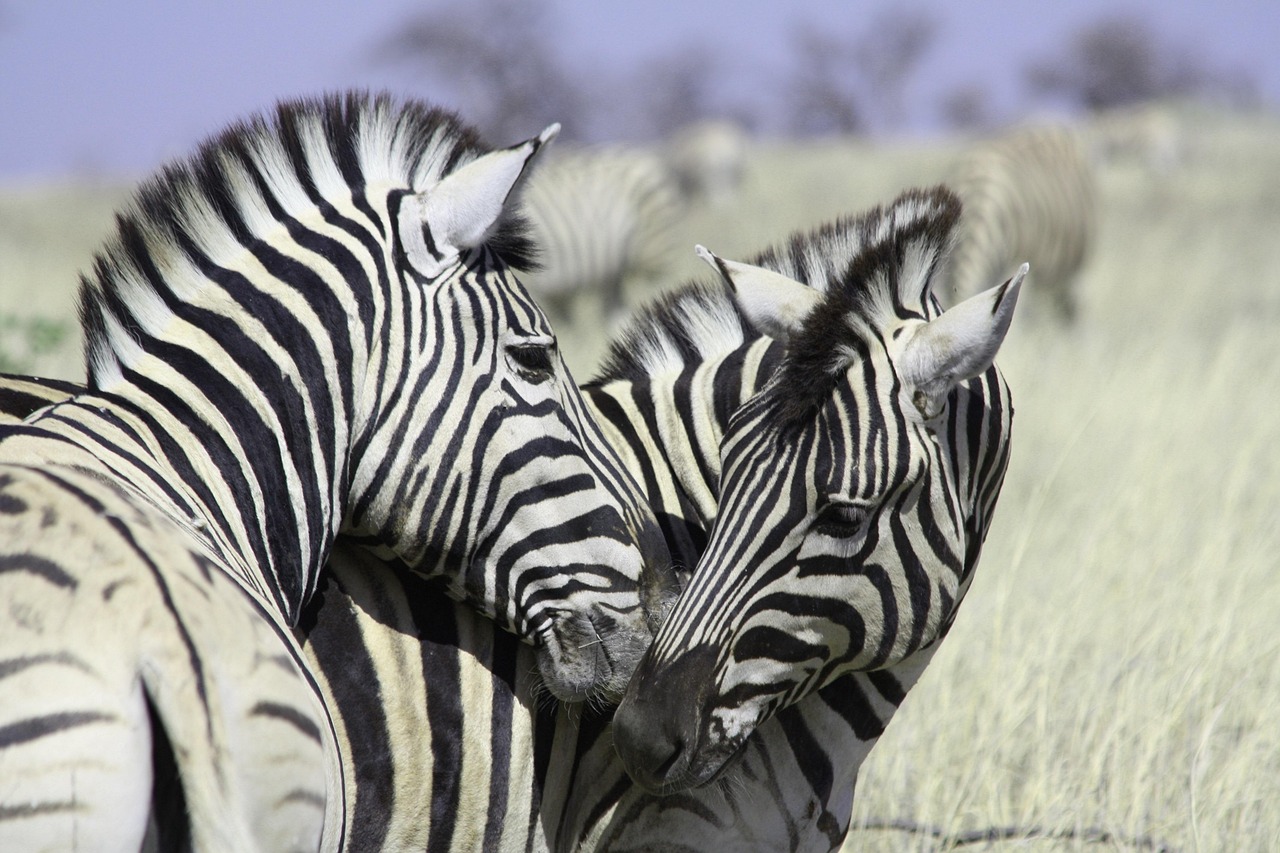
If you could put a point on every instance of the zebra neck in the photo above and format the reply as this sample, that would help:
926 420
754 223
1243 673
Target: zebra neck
668 427
258 499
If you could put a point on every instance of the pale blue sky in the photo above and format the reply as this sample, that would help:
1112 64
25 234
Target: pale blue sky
114 88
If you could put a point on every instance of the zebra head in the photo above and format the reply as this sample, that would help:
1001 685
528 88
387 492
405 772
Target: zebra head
318 315
481 465
846 525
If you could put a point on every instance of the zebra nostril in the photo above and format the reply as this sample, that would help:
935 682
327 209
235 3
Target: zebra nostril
663 770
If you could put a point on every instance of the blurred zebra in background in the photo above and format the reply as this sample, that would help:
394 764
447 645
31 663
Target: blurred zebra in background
605 220
1029 195
1151 136
262 333
709 160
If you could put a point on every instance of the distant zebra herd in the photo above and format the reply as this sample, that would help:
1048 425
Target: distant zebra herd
330 552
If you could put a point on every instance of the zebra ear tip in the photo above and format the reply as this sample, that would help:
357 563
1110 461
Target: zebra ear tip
1013 286
704 253
552 131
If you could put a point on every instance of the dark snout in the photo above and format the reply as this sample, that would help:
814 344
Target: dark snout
657 726
592 653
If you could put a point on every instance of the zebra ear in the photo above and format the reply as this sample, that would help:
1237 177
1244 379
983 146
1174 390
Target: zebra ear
957 345
462 210
775 304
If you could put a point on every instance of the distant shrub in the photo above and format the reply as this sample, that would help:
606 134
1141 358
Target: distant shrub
24 339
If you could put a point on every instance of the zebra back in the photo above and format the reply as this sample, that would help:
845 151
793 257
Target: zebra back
604 219
1029 195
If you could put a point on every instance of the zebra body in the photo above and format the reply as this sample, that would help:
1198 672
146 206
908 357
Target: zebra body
604 218
514 773
310 328
709 159
1028 195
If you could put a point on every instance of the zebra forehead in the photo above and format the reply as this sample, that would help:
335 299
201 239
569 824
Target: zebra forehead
887 280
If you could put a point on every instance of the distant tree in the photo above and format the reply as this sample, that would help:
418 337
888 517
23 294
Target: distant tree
822 93
677 90
888 54
500 55
851 83
967 108
1119 61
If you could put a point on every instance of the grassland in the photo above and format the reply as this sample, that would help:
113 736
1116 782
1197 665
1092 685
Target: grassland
1110 679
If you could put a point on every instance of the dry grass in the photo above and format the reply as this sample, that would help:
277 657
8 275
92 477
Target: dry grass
1114 665
1116 661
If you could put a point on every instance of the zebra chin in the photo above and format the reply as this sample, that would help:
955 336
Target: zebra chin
590 655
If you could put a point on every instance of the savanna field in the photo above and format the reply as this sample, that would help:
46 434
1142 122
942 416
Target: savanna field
1113 677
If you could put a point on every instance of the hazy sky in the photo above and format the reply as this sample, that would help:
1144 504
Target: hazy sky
114 88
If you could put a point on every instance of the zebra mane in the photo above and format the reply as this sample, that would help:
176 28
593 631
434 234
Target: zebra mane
247 181
875 266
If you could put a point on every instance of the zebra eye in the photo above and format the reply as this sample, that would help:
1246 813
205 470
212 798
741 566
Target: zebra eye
841 520
532 361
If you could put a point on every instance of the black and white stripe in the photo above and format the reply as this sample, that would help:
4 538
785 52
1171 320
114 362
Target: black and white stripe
1029 195
454 750
500 770
855 488
309 329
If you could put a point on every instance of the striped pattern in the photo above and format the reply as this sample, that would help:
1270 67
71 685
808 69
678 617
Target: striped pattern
555 781
605 219
1029 195
262 333
513 772
849 520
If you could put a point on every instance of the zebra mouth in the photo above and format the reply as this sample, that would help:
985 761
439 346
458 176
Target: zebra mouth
589 656
711 767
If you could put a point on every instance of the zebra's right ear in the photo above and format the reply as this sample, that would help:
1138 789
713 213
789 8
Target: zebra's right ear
775 304
463 209
957 345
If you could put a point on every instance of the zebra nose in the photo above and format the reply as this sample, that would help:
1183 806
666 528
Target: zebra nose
656 726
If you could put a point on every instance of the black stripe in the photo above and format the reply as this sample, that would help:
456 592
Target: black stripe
40 567
35 728
287 714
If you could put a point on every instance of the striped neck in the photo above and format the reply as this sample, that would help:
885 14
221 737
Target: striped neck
241 317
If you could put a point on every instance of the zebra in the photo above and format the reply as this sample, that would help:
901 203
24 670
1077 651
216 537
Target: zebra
309 329
1028 194
1150 136
709 160
489 766
855 490
605 218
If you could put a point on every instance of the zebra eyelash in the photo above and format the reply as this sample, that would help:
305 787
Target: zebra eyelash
841 519
533 361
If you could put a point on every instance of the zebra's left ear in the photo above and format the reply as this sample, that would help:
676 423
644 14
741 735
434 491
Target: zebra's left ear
775 304
462 210
957 345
